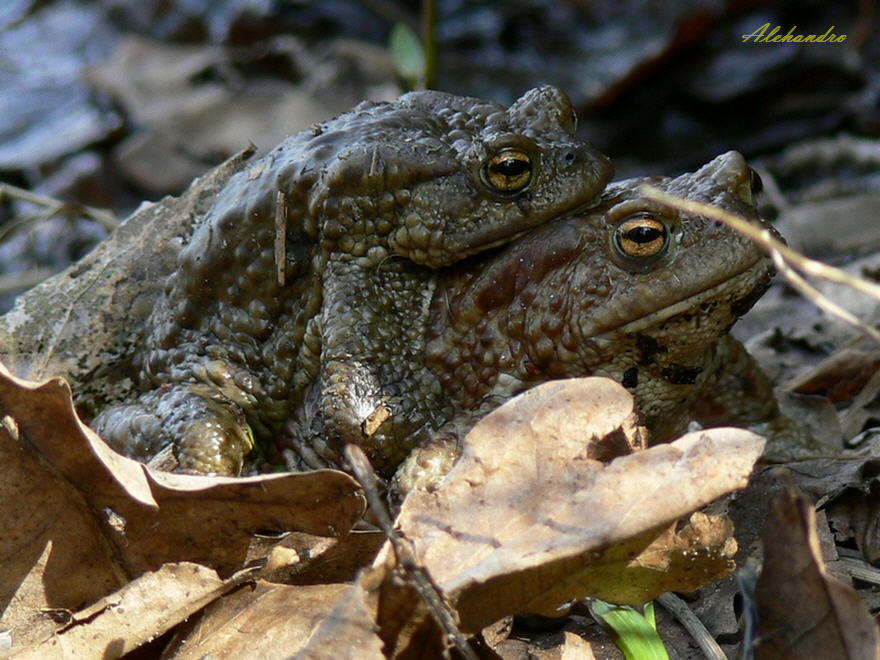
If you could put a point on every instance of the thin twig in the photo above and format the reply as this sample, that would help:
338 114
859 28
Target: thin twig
861 570
786 259
21 220
812 293
280 236
418 575
679 609
851 420
55 206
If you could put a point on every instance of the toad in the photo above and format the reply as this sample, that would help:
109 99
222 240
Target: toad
274 286
631 289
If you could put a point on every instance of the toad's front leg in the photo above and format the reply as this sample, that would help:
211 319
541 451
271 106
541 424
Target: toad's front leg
375 389
742 395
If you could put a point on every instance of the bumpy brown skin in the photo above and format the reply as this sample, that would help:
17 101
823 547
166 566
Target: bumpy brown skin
369 202
568 300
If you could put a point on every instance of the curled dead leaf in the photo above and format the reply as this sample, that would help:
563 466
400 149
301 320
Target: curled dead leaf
529 518
132 616
802 611
261 620
79 521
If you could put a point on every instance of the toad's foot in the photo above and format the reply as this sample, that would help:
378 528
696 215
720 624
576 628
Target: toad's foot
207 433
426 466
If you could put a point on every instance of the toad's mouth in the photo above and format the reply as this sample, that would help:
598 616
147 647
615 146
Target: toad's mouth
499 237
490 243
436 256
740 292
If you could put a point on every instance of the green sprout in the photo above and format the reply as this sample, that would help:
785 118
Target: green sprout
634 632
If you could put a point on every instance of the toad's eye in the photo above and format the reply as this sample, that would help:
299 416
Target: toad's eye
508 171
755 182
640 236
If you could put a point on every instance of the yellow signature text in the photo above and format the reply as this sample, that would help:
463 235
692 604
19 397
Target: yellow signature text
766 34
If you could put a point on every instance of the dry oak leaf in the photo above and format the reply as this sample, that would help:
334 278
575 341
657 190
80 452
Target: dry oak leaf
802 611
79 521
258 620
83 323
133 615
528 519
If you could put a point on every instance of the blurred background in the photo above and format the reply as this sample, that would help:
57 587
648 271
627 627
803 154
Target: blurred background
107 103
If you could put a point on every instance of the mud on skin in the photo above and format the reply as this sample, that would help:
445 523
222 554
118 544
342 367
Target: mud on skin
325 315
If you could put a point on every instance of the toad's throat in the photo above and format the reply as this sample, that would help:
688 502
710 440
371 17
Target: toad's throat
731 290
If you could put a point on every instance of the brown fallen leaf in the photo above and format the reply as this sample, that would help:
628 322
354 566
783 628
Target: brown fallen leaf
693 553
351 624
575 648
840 376
527 520
69 324
53 558
539 505
132 616
802 611
261 620
79 520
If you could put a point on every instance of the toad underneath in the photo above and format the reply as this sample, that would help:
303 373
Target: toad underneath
632 290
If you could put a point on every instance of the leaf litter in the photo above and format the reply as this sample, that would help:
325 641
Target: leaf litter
804 612
81 521
528 519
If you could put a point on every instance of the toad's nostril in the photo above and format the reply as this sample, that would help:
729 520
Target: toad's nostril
756 182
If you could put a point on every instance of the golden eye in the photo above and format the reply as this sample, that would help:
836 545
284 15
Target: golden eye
508 171
640 237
